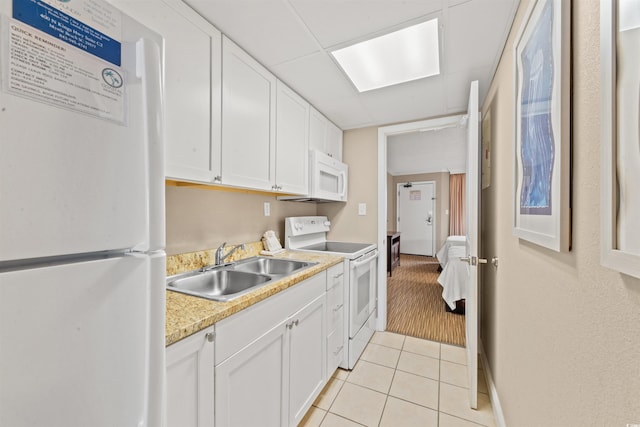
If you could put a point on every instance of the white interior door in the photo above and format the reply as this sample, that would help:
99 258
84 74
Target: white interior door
473 202
416 218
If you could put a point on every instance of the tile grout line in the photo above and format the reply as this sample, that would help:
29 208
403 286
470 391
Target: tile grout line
388 394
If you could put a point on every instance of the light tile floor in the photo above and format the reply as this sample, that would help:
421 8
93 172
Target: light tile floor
402 381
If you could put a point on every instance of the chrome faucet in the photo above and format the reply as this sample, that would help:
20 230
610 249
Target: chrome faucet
221 256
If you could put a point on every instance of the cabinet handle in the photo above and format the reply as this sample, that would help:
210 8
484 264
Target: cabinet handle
210 336
338 307
335 353
338 275
293 323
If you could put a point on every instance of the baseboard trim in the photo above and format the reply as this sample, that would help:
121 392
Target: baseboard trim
493 392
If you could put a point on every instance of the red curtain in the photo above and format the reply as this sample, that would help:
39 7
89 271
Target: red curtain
457 215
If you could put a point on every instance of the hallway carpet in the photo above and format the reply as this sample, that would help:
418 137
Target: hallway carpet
415 306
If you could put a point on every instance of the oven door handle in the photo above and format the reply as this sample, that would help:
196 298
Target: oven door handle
365 259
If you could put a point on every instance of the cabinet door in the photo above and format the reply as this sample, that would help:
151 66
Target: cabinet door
333 142
248 120
308 357
190 383
324 136
317 131
252 385
193 54
292 142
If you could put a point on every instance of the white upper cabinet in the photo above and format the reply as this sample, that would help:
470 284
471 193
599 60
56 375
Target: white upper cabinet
292 142
333 142
248 120
324 136
192 53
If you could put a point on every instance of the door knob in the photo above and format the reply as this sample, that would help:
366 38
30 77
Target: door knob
473 260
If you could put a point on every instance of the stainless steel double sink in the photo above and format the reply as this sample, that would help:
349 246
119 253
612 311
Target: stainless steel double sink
229 281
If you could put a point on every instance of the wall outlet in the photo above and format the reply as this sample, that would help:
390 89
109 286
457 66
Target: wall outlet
267 209
362 208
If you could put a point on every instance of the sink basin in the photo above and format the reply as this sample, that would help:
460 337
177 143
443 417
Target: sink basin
229 281
218 285
271 266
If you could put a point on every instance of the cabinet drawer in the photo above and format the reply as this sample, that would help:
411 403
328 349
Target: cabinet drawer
335 276
335 349
335 306
238 331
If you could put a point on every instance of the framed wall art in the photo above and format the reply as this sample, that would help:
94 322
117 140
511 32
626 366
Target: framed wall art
542 149
620 135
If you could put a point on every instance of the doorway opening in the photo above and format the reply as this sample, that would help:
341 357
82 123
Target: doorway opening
413 286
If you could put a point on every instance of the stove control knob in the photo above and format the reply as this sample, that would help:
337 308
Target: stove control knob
298 226
327 223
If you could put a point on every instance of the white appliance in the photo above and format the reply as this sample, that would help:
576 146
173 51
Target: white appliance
328 179
82 266
309 234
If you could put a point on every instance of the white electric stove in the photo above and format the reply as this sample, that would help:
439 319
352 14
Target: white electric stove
309 234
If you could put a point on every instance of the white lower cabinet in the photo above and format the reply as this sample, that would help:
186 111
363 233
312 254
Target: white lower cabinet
307 358
190 372
252 384
271 358
335 318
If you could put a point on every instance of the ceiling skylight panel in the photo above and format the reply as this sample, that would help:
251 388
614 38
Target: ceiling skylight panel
408 54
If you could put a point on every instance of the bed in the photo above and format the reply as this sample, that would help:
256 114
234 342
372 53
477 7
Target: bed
454 278
443 253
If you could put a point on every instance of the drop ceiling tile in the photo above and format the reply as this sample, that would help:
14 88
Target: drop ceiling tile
457 87
475 32
315 73
317 79
268 29
408 101
338 21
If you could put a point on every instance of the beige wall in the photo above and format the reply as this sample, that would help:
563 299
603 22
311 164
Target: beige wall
199 219
442 201
562 333
360 152
391 204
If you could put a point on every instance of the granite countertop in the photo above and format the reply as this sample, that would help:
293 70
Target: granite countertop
187 314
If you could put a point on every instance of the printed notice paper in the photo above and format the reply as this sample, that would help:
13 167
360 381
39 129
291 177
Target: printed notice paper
90 25
45 68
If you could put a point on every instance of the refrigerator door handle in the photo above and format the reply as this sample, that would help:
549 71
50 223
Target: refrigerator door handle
149 69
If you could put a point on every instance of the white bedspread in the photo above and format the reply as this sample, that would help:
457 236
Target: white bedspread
443 253
454 277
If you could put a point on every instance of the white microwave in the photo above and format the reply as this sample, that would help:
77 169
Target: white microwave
328 179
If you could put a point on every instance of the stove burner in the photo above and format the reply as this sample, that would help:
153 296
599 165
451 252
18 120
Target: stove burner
339 247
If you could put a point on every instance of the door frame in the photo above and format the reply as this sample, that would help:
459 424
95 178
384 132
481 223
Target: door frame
434 205
383 133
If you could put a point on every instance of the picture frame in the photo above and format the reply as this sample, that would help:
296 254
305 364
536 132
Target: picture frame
542 142
620 137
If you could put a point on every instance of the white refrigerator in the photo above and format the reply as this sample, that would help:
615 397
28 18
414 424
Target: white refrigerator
82 262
